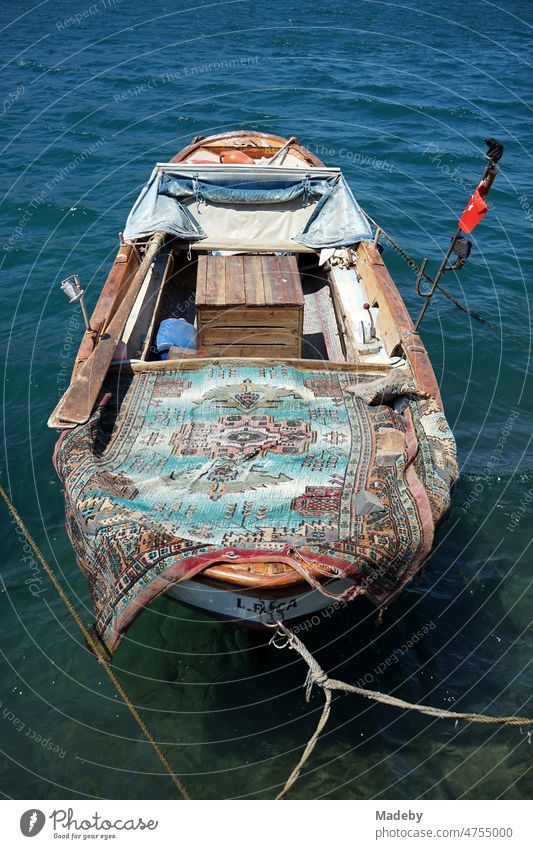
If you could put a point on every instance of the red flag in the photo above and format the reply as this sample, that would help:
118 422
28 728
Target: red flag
473 212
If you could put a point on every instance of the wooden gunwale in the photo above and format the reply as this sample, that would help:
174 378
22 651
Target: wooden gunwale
124 266
258 576
77 403
276 142
371 268
195 363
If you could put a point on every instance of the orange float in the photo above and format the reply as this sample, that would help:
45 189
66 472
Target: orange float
236 157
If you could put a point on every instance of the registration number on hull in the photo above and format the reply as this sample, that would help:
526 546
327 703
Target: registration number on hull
260 607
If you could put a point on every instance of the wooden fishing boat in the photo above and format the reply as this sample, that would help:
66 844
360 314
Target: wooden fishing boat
284 450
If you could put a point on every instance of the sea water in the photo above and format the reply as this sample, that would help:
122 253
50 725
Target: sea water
401 96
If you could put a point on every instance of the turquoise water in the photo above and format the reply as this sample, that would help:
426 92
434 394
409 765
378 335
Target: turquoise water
401 96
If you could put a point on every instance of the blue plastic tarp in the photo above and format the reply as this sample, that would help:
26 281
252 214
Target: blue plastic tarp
173 203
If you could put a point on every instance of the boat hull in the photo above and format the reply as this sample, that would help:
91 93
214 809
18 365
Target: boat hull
338 461
252 608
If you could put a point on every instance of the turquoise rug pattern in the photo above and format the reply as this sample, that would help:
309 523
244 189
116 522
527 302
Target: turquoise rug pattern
182 464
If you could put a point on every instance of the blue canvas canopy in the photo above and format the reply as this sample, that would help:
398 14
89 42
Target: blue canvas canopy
259 205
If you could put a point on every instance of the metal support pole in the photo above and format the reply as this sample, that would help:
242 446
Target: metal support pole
436 280
85 314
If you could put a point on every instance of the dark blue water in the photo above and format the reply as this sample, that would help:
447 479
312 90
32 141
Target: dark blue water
401 96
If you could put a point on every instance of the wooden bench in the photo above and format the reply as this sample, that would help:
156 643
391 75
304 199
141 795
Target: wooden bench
249 306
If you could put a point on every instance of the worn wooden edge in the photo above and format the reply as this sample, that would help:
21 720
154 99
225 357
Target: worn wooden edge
413 347
247 138
120 275
252 578
241 245
79 399
236 350
242 304
344 321
232 335
196 363
394 300
166 274
390 316
248 315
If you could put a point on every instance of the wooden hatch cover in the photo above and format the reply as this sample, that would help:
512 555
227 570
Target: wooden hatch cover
249 306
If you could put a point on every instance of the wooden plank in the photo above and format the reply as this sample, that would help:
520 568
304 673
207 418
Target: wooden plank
266 264
248 335
124 267
79 399
388 320
396 325
247 247
252 351
384 281
215 282
201 279
250 317
196 363
161 271
286 274
348 297
292 282
234 280
276 283
139 317
254 286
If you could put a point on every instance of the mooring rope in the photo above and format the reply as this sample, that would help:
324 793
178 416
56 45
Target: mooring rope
316 675
96 647
414 265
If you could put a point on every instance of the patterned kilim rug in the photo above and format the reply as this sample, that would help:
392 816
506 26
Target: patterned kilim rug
181 465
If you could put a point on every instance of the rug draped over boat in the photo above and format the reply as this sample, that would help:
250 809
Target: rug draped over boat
182 468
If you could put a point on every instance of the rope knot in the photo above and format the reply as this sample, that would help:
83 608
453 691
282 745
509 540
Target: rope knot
317 676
